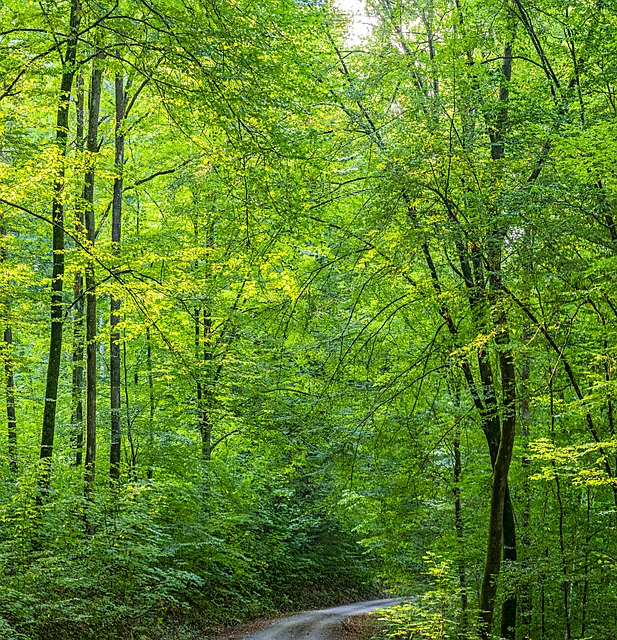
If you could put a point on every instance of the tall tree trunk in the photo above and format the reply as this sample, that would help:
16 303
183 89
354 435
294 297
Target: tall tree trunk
77 413
205 423
10 398
203 319
543 604
92 148
499 491
586 567
527 590
499 437
564 567
485 401
199 384
129 420
55 342
150 402
116 232
458 523
562 546
502 531
510 554
7 356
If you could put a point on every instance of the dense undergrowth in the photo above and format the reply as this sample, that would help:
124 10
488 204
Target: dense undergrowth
163 556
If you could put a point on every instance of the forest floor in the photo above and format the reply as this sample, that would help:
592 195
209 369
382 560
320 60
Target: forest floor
363 627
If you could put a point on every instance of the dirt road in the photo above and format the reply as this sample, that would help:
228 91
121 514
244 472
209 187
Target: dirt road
317 625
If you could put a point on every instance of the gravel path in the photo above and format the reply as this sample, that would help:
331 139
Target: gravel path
317 625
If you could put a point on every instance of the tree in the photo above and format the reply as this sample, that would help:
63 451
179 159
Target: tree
55 340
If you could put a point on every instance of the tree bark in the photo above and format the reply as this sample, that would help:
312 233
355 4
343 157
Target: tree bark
77 413
527 591
150 402
55 342
203 319
7 356
116 232
498 494
205 423
92 148
485 400
460 533
502 531
565 585
129 422
586 567
10 399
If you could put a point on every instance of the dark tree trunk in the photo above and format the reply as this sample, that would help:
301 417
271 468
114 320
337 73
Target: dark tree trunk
116 232
129 422
151 403
586 567
55 342
508 609
485 400
202 319
459 526
499 492
500 437
91 346
502 529
205 424
527 590
77 413
10 398
7 356
562 547
199 384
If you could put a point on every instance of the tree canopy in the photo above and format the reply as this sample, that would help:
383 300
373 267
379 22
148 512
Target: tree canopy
291 317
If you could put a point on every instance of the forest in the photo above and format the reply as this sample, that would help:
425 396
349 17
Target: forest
292 317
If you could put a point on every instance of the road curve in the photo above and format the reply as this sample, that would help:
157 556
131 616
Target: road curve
317 625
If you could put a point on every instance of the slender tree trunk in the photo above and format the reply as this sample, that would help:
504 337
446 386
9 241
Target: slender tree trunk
7 356
586 568
543 607
10 398
151 402
564 568
203 319
493 426
55 342
199 373
543 603
562 547
205 424
525 413
510 554
129 421
116 231
92 148
77 418
459 526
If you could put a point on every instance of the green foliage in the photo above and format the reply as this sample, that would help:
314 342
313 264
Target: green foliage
156 554
434 615
328 252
